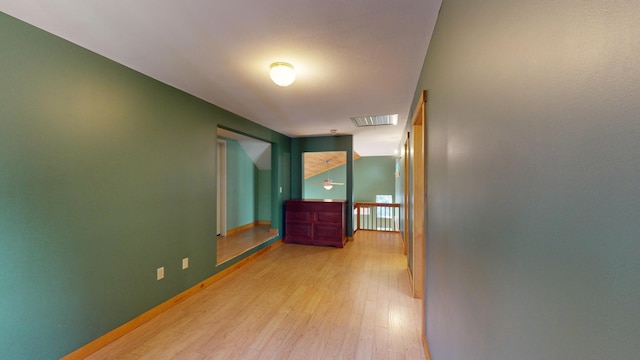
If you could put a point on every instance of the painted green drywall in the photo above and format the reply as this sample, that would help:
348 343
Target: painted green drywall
533 247
373 175
281 181
242 187
106 175
263 205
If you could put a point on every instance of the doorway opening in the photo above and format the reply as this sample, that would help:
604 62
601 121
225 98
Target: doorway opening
244 191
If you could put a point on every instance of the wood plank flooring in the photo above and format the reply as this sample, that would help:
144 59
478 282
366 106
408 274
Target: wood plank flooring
295 302
237 243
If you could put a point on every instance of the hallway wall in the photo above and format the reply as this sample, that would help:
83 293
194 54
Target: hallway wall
533 171
105 175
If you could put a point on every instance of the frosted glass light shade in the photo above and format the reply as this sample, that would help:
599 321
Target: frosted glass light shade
282 73
328 187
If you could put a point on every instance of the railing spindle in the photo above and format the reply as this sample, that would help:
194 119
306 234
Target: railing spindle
376 216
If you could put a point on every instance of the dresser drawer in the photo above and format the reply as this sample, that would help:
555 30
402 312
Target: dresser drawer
299 232
329 217
299 216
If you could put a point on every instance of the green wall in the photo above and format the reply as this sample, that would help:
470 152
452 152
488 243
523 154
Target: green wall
373 175
242 187
264 196
106 175
533 229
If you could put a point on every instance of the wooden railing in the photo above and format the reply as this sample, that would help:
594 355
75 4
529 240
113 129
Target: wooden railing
376 216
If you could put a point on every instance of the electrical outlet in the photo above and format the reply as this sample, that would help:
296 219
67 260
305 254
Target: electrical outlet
185 263
160 273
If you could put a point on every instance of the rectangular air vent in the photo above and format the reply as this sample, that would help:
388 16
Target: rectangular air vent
375 120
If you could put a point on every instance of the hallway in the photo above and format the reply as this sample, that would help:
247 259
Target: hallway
294 302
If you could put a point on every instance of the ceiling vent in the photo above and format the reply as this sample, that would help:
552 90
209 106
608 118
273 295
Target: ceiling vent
375 120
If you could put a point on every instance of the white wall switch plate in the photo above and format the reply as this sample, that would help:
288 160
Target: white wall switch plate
185 263
160 273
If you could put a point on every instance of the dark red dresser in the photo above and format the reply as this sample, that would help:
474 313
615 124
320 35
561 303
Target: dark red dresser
316 222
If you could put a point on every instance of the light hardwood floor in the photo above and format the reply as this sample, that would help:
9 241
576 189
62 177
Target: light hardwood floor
295 302
239 242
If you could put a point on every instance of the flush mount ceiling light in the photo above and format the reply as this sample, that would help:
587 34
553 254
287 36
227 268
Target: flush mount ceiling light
282 73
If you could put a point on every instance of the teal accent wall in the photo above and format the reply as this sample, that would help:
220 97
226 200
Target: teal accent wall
533 247
106 175
242 187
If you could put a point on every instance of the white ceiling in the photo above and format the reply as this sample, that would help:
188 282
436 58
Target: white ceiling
352 58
